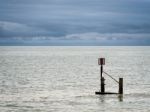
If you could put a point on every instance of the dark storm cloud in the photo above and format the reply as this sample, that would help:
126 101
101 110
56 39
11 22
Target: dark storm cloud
60 19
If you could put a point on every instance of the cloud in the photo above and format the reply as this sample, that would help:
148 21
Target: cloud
74 20
107 36
14 27
89 36
92 38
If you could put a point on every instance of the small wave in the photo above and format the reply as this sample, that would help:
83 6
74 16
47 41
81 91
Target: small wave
15 105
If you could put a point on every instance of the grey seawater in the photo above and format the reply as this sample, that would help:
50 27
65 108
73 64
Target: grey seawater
64 79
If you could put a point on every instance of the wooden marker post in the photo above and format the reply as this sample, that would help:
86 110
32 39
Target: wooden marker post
101 61
120 86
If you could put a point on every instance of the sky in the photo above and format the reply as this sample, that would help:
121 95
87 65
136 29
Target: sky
75 22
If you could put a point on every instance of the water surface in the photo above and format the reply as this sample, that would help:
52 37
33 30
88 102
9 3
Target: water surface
64 79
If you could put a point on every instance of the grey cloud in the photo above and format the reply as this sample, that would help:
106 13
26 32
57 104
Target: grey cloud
91 36
12 29
107 36
16 29
74 19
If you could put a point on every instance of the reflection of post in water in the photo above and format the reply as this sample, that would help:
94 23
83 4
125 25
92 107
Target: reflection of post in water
120 97
102 98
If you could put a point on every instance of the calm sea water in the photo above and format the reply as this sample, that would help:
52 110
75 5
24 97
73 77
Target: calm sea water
64 79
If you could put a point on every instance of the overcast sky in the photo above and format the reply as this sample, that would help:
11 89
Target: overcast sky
75 22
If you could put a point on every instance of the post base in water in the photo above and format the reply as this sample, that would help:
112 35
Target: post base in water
103 93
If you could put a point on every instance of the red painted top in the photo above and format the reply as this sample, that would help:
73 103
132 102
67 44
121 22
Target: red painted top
101 61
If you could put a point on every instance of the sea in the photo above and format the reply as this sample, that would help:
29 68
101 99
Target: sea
65 78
